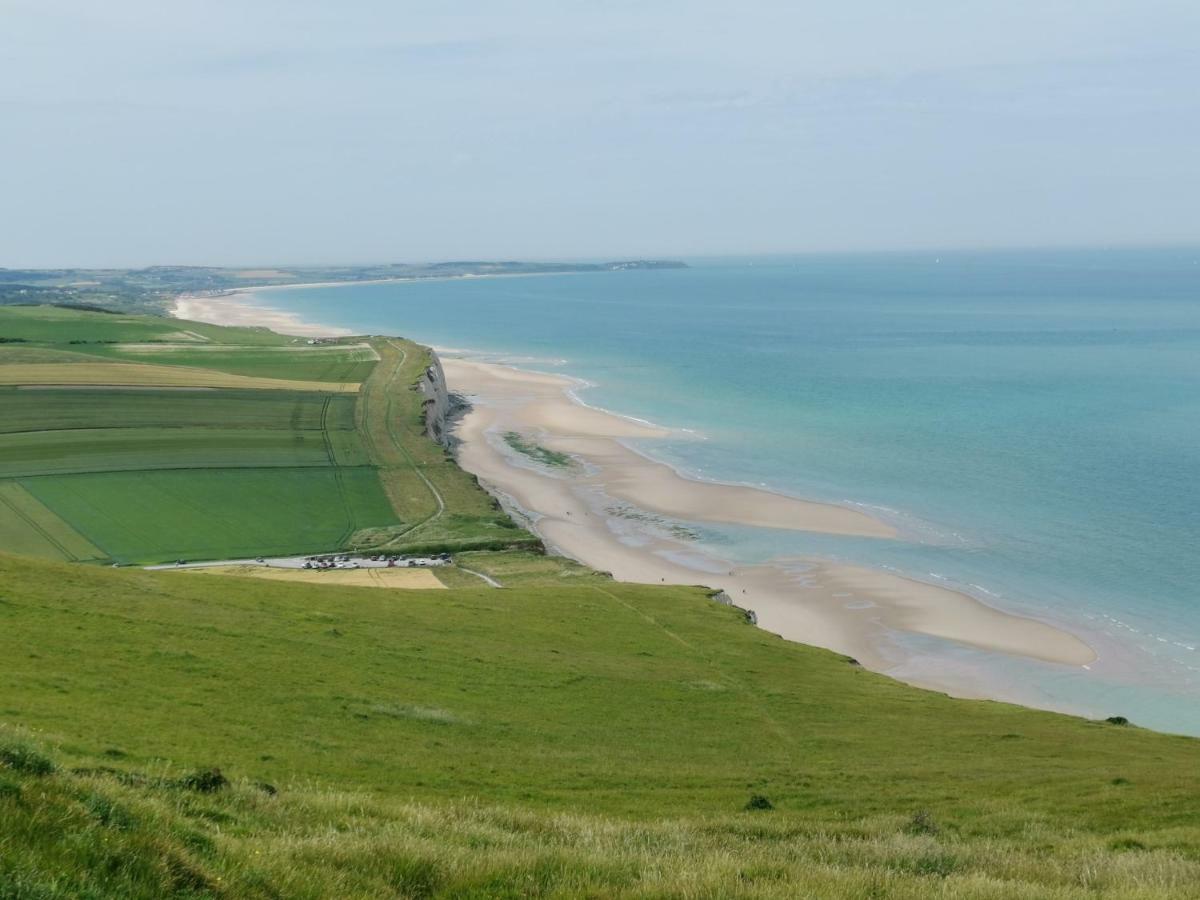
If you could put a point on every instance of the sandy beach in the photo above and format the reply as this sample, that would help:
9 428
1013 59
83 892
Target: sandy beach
567 470
619 511
239 309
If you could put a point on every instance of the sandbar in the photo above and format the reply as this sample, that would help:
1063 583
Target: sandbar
617 510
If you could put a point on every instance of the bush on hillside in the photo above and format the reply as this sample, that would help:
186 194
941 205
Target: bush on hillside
23 758
204 781
922 823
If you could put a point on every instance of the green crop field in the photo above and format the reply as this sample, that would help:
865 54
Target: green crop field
156 516
29 528
580 740
56 325
319 363
63 408
116 449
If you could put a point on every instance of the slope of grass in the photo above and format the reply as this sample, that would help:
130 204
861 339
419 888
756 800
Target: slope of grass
590 739
446 506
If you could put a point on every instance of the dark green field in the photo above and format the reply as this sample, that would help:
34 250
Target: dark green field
54 409
117 449
581 740
149 517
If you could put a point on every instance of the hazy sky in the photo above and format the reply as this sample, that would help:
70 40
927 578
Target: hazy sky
204 131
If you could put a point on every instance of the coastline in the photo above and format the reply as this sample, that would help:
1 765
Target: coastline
620 511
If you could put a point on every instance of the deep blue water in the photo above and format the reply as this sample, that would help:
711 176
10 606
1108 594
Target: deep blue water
1031 420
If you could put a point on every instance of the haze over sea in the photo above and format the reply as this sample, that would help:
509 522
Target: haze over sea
1031 421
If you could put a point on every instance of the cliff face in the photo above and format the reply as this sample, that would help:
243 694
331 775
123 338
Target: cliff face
432 385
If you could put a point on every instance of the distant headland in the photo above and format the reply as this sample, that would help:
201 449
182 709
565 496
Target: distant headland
154 289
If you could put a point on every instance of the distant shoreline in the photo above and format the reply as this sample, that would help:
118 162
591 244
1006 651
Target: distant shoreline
849 609
225 307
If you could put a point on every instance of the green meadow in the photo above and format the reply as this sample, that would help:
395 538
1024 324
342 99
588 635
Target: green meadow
553 740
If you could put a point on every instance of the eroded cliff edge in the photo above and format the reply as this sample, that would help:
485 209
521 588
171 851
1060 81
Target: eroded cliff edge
432 385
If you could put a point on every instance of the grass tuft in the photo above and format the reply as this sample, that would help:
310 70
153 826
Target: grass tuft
758 802
25 759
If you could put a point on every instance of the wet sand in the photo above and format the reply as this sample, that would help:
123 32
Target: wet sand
621 512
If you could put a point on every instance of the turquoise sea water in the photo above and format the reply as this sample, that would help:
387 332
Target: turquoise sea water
1030 420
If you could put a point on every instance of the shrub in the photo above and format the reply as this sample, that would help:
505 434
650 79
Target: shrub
1121 844
759 802
204 781
922 823
108 813
23 758
1117 720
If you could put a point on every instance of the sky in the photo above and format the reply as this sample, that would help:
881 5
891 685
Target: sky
142 132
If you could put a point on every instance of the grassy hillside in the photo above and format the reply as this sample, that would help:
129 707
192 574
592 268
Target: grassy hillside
542 741
142 439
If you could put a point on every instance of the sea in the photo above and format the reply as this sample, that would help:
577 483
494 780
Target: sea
1029 420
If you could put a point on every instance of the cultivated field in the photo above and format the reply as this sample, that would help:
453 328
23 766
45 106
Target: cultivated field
67 409
34 375
79 329
138 439
332 363
157 516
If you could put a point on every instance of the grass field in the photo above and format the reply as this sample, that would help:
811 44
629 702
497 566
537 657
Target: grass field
149 375
116 449
331 363
29 528
153 516
56 325
63 408
583 740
